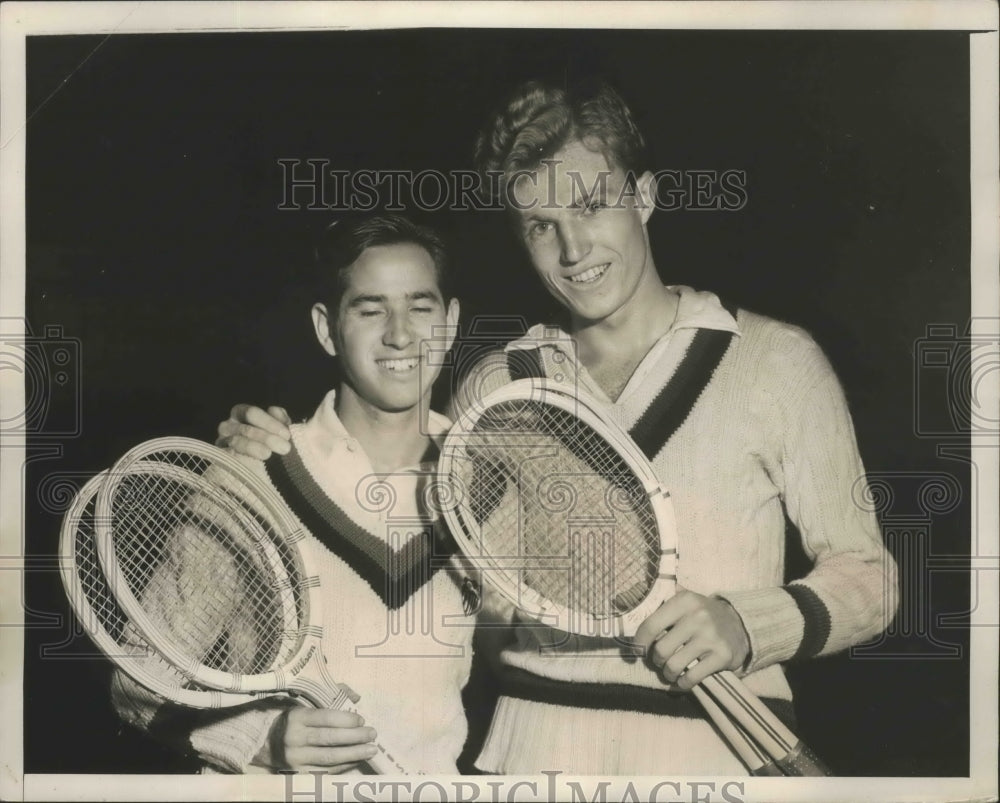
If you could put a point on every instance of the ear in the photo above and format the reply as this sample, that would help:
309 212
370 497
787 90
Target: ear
452 320
645 191
321 323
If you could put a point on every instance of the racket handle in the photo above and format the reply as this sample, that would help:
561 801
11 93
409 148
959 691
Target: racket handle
787 750
755 759
769 769
383 763
801 760
323 695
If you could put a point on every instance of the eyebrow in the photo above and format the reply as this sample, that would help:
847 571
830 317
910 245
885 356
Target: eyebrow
370 298
600 192
537 218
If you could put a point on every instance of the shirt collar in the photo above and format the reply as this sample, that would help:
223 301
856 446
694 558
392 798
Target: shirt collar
696 309
326 424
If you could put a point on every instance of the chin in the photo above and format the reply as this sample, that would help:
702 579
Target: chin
594 313
398 403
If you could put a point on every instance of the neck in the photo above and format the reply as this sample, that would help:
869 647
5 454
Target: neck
630 331
391 439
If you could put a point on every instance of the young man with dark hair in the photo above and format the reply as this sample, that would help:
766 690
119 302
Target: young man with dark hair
744 420
372 439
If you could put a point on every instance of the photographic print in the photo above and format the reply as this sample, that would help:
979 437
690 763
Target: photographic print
360 214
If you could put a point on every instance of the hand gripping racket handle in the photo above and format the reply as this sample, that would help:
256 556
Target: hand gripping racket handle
327 693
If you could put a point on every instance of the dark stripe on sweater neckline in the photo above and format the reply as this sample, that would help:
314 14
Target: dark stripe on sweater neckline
675 400
673 404
394 575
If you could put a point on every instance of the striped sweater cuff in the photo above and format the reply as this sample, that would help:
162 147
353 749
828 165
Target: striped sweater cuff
815 617
231 742
774 623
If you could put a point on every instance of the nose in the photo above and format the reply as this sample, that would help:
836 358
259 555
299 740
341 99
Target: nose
398 331
574 242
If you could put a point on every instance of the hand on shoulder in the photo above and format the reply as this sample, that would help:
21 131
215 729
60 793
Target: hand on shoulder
254 432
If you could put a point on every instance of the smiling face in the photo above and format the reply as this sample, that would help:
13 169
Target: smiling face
391 321
585 233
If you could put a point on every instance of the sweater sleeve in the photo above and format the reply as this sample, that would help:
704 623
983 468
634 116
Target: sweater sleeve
226 739
850 595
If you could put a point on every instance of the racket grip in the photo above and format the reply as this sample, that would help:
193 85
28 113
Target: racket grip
383 763
770 769
801 760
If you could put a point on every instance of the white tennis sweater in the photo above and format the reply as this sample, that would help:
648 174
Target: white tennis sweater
394 628
770 433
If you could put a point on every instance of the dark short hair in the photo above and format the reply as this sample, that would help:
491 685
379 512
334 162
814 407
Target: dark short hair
346 239
542 117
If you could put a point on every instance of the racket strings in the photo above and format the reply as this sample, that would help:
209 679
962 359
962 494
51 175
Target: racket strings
94 586
100 606
547 487
206 569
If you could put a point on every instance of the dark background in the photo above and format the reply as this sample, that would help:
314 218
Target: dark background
155 245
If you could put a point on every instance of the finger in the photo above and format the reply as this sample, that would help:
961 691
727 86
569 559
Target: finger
332 718
694 674
245 446
244 438
655 624
262 419
227 428
335 769
281 414
336 737
666 616
669 642
306 718
330 756
687 657
677 664
273 443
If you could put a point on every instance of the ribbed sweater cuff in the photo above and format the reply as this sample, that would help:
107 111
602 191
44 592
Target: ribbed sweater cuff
231 743
773 622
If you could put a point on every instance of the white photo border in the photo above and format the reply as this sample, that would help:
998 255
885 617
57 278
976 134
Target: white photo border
20 20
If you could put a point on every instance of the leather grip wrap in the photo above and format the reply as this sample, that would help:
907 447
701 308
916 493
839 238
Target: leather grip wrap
803 761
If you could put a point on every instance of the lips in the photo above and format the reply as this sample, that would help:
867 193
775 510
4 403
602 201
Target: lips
590 275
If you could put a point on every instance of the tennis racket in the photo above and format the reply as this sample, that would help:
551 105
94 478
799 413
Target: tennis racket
106 624
569 522
207 563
